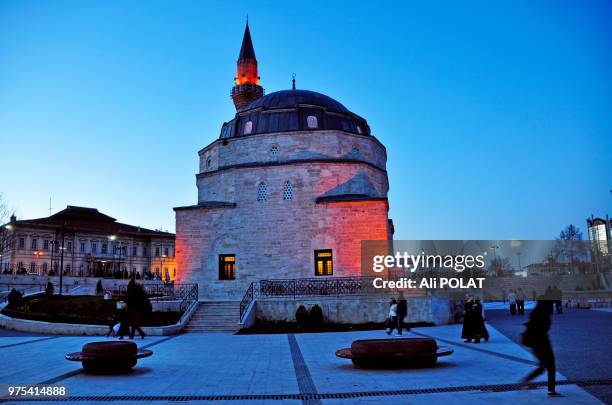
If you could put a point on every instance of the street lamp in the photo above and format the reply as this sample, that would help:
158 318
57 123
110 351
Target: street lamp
38 254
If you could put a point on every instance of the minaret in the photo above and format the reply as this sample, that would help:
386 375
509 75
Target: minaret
247 88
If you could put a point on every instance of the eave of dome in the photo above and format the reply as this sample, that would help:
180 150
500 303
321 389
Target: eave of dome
291 110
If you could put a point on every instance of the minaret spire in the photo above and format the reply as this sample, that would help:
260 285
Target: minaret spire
247 88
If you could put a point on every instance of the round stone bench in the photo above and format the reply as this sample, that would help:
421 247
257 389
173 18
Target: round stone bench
400 352
109 357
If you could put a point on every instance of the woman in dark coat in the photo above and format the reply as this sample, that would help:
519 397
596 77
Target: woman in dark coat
468 322
480 330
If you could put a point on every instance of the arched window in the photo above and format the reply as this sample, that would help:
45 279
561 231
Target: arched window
81 269
288 191
248 127
274 150
359 129
262 192
32 267
312 121
208 163
44 268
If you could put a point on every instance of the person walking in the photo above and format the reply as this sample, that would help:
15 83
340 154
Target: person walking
392 320
479 330
512 302
558 295
135 298
520 301
536 338
468 319
124 320
402 311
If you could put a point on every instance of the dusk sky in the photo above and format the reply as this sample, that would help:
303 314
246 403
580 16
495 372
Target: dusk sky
496 115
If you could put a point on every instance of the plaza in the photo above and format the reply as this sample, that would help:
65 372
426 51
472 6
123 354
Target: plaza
294 368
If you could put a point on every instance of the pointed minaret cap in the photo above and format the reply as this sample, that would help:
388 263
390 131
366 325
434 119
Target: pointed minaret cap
247 51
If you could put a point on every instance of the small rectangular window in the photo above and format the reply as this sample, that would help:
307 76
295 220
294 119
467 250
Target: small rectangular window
82 247
134 250
46 244
166 252
94 248
69 247
144 251
156 252
324 262
104 248
34 244
227 267
21 243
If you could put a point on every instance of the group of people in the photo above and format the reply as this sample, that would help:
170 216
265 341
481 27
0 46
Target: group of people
474 328
128 318
516 301
398 309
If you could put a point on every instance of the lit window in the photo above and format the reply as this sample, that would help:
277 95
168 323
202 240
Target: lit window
359 131
262 192
288 191
227 267
274 150
323 262
248 127
312 121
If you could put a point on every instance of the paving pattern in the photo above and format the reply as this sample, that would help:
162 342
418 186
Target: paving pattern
300 368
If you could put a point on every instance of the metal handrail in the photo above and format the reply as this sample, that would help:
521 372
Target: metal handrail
306 287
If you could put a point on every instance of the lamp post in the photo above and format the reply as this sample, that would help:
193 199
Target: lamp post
62 257
518 255
38 254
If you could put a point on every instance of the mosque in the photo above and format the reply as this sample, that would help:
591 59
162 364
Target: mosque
289 190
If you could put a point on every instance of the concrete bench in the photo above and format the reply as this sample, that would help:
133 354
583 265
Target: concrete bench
109 357
400 352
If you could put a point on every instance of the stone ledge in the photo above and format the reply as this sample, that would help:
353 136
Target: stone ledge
52 328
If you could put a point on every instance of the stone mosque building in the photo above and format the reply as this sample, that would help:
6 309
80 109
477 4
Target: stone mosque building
289 190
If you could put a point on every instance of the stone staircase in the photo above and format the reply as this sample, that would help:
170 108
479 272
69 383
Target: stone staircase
215 316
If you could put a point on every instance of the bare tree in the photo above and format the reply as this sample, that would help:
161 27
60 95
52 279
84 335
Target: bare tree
4 210
570 244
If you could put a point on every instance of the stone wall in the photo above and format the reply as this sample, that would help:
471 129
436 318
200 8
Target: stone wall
276 238
351 310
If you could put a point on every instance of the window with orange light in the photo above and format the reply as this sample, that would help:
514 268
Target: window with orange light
324 262
227 267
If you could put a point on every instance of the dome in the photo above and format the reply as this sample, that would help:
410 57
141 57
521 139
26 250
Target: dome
294 110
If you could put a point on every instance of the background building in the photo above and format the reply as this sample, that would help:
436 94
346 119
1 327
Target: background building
95 244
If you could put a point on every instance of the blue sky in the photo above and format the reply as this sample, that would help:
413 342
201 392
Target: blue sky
495 115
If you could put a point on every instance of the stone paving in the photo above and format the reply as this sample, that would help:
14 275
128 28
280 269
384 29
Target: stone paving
216 366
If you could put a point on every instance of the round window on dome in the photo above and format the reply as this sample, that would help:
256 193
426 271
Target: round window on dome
248 127
312 122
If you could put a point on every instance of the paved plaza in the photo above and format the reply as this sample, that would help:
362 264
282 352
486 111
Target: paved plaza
300 368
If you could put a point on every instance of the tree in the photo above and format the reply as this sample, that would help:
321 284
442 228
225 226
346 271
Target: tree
570 244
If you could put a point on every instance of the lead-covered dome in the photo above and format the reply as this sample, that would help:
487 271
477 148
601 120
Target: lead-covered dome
294 110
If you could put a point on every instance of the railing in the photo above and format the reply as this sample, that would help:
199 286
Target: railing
306 287
186 293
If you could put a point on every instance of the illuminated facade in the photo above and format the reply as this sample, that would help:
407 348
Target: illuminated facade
95 245
289 190
600 235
